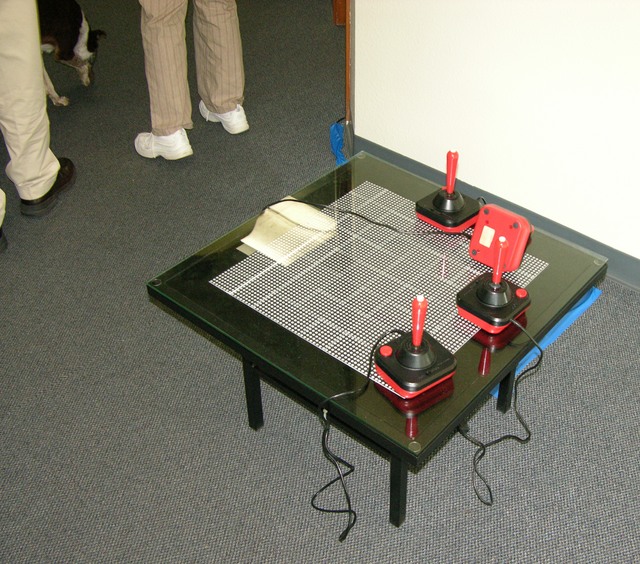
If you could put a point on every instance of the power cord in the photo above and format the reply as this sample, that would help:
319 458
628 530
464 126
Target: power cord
463 429
338 462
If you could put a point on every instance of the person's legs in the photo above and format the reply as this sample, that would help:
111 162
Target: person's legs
218 54
33 168
165 57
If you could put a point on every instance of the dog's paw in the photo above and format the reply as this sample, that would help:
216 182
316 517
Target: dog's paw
60 101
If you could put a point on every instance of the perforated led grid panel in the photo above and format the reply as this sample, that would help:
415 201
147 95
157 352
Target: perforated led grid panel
344 293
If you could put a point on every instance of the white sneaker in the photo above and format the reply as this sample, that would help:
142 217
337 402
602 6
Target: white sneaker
171 147
234 121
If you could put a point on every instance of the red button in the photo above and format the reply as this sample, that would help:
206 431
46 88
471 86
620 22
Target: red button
521 293
386 350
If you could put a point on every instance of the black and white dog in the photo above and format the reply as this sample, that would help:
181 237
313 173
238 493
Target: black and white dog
65 32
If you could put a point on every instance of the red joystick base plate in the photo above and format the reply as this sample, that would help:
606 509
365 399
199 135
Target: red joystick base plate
449 222
492 319
410 382
423 401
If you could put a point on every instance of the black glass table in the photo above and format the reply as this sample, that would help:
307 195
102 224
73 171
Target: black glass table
286 347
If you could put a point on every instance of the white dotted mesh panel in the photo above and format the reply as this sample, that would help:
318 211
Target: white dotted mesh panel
343 293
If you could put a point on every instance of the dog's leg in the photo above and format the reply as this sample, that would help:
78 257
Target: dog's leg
51 92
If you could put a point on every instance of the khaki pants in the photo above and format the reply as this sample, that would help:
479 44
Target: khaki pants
218 56
23 112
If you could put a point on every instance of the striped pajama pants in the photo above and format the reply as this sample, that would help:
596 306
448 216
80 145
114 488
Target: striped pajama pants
218 56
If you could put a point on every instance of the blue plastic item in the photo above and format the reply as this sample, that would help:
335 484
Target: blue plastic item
583 305
336 135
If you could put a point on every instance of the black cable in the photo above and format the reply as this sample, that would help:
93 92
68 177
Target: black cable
359 216
338 462
482 447
323 407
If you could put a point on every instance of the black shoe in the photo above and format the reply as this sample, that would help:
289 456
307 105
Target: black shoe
44 204
3 241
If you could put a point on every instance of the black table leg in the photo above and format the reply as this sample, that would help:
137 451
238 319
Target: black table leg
253 394
398 497
505 392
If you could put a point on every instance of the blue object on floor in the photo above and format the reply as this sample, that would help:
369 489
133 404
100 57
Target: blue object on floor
336 135
583 305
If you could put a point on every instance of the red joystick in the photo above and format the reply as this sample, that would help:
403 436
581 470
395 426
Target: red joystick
498 268
418 315
448 209
447 200
452 165
415 351
498 241
414 362
495 292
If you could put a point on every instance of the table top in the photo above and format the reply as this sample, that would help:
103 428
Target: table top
288 312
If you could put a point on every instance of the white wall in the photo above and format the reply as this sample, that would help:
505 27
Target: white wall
541 98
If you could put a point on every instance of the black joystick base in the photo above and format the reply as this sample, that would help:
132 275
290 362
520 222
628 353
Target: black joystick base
491 306
411 370
450 212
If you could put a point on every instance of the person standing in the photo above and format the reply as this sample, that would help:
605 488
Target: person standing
219 70
39 177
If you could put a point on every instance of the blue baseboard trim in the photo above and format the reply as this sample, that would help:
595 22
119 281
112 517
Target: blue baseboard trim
621 266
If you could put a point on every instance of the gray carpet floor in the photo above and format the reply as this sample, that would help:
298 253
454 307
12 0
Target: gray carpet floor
123 433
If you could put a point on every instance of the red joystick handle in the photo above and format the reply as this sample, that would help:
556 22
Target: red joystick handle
498 268
418 315
452 165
